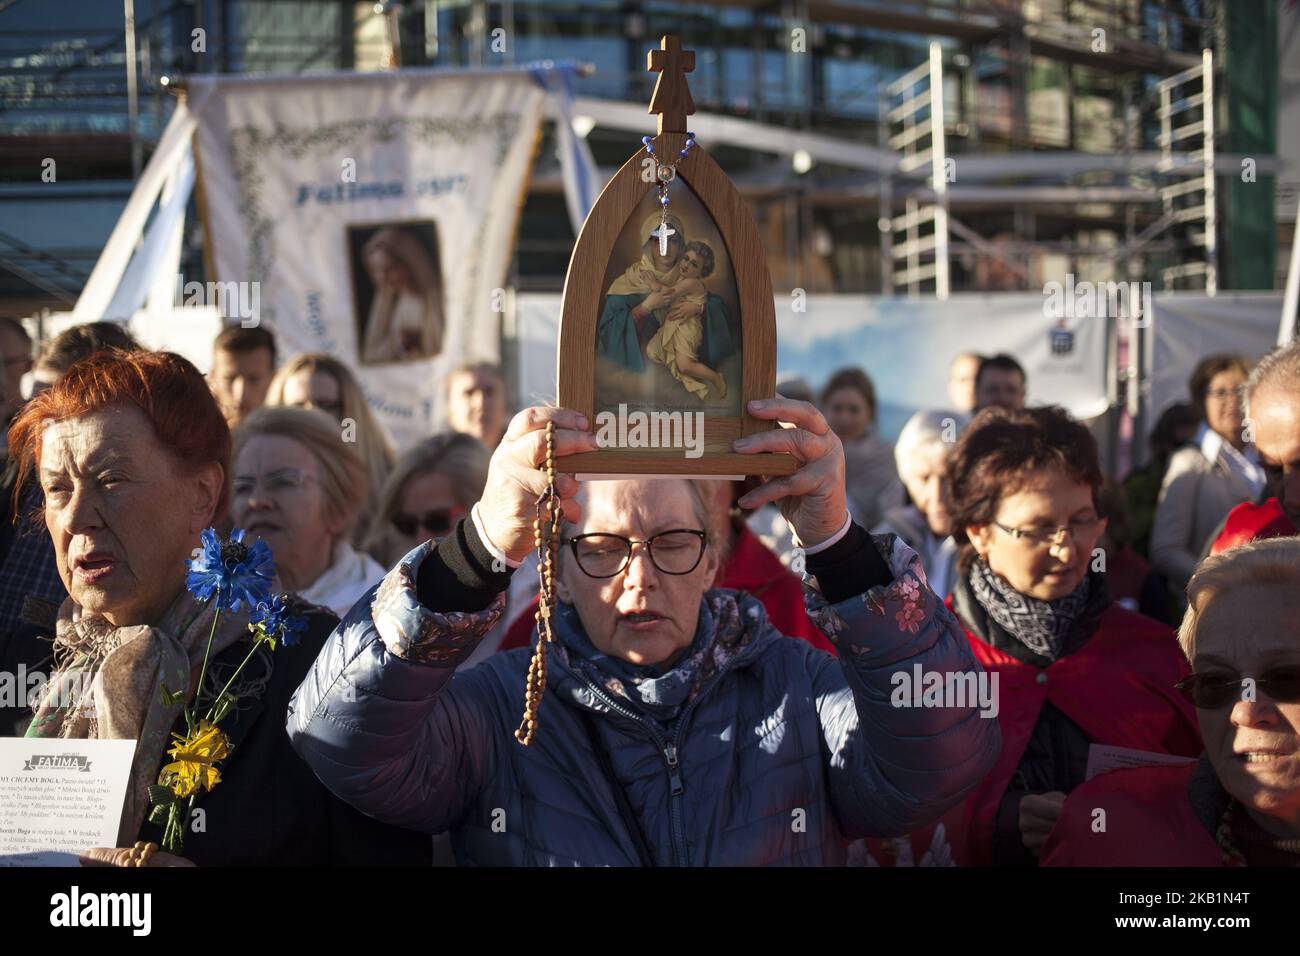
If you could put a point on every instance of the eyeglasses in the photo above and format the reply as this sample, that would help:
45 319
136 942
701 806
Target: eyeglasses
276 484
1045 536
436 522
1211 691
1223 394
676 551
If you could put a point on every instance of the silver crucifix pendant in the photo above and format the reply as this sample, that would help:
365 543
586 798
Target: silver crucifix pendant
663 232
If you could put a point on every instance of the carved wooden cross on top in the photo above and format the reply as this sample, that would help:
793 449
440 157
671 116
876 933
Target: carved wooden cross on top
672 97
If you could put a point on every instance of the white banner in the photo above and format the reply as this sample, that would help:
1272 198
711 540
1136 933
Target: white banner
1187 328
905 345
375 212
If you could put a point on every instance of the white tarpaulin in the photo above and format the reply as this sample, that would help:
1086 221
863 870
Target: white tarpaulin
905 345
1187 328
377 214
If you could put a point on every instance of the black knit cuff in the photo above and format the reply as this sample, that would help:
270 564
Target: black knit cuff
458 574
850 566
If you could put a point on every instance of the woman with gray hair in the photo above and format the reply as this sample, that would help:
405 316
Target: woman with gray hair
923 523
1239 804
300 487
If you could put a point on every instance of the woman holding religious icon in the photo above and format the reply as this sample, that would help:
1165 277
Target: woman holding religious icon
679 727
1239 804
133 455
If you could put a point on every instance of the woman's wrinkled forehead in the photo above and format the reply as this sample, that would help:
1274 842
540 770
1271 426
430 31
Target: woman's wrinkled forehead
636 507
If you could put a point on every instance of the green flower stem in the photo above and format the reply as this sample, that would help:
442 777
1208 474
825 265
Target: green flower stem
207 652
247 658
173 834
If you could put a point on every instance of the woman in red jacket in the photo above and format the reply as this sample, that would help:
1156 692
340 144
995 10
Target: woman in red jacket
1076 673
1240 803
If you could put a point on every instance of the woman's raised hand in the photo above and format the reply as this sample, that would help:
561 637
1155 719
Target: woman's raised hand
516 476
813 499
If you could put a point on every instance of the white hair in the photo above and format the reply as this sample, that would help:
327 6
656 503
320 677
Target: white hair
1282 364
925 429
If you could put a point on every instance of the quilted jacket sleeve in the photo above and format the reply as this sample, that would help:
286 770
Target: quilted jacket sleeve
380 719
893 766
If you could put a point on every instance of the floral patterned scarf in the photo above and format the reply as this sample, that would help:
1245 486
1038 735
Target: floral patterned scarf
720 636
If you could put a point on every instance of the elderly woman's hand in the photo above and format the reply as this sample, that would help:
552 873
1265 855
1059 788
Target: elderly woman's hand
126 856
813 499
515 481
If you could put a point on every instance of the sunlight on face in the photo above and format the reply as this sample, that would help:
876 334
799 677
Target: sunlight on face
1275 413
924 476
1047 499
641 615
122 514
277 496
1223 412
1249 631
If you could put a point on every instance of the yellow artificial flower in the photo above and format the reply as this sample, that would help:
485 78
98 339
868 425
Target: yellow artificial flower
196 755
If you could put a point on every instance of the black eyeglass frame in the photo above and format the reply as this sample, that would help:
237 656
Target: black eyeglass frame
630 544
1189 684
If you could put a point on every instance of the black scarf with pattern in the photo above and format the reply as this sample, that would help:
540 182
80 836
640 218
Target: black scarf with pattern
1044 631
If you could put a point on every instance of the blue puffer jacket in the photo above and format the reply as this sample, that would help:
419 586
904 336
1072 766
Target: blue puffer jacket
783 755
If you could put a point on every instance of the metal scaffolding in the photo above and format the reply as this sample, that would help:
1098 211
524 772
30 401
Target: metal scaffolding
1189 194
913 105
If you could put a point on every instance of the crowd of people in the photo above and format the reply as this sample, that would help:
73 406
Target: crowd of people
953 649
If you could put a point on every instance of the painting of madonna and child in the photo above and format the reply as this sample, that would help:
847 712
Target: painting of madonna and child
668 338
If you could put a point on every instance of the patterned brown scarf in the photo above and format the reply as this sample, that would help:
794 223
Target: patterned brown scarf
107 684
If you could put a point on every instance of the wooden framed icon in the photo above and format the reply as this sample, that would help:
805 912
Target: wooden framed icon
667 325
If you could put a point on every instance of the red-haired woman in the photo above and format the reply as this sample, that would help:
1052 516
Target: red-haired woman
133 453
1076 674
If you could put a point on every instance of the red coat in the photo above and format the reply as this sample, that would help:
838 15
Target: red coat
1118 688
1250 522
751 567
1149 821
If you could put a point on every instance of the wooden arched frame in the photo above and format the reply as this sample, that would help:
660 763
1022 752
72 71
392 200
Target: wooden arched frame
580 313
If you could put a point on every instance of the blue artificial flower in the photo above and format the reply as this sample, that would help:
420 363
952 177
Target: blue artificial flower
277 619
231 571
